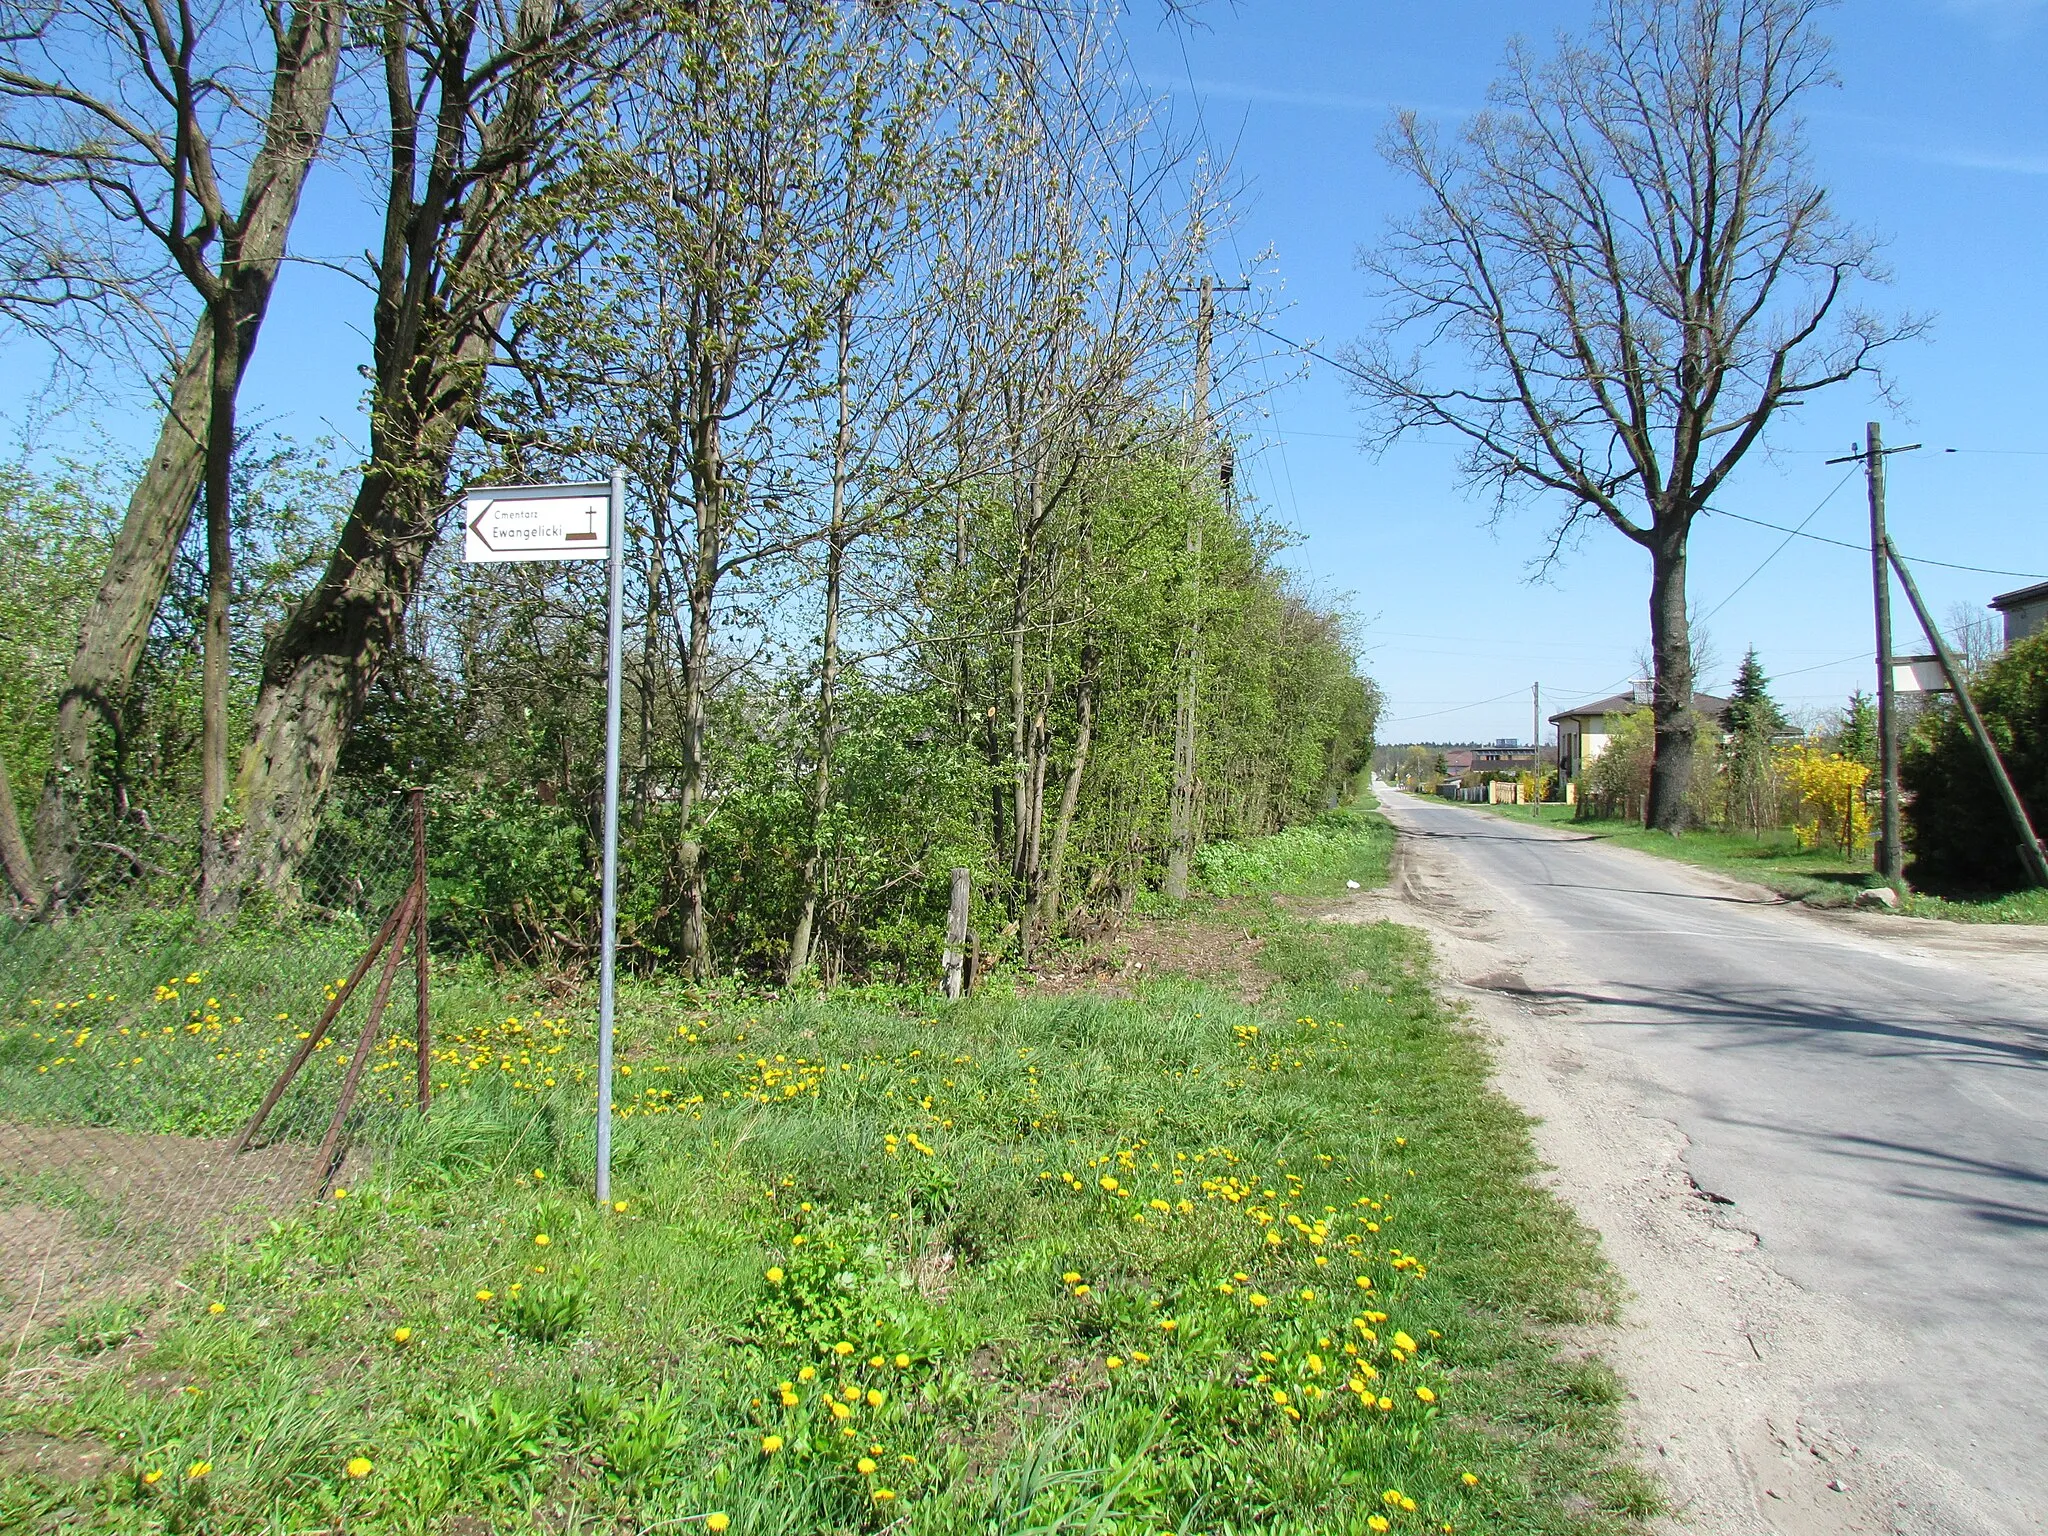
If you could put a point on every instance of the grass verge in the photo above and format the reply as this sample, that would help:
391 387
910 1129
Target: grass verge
1820 877
1168 1260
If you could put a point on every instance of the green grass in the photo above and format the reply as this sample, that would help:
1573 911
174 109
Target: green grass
950 1220
1821 877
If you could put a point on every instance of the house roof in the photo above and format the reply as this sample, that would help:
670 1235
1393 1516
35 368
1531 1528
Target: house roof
1708 704
2020 599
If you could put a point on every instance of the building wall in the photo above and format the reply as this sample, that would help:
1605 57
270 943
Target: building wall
2025 621
1584 739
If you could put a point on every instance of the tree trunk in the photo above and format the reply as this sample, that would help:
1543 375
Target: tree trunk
1671 697
828 671
216 890
707 470
1181 833
115 629
440 302
14 854
1070 793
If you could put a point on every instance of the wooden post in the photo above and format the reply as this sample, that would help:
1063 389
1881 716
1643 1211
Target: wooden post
323 1160
419 939
955 980
388 934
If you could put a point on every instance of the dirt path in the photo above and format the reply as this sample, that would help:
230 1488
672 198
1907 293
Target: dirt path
90 1216
1727 1360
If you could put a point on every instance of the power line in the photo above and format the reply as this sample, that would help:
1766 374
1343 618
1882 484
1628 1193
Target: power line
1789 537
1863 549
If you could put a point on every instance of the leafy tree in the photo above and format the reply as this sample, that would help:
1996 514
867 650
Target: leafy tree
1956 826
1751 719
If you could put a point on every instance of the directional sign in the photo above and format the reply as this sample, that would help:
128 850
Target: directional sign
502 523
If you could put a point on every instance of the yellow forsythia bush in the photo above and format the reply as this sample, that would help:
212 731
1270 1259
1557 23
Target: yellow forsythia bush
1830 790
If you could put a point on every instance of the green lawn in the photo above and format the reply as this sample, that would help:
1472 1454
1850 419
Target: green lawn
1820 876
1186 1257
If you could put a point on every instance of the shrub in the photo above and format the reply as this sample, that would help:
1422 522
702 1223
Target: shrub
1956 826
1829 788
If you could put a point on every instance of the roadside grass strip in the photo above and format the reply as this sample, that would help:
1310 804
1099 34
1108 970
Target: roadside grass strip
1820 877
1159 1261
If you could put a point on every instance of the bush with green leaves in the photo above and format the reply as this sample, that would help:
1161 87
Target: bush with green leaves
1957 830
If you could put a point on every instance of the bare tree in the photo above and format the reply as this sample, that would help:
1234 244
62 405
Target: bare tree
1630 255
141 125
477 99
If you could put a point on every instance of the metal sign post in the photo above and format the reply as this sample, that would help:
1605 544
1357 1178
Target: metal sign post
607 966
516 524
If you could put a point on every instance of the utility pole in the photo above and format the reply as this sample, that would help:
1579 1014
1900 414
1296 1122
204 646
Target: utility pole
1180 828
1890 856
1536 744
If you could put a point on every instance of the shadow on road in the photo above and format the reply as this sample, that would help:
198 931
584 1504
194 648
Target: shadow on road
1751 1019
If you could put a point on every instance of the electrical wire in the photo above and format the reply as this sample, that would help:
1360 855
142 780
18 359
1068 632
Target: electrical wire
1864 549
1786 541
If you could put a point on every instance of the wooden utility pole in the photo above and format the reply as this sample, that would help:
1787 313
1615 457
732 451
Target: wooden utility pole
1890 856
1536 743
1180 826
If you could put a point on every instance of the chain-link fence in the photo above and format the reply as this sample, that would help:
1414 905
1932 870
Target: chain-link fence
138 1042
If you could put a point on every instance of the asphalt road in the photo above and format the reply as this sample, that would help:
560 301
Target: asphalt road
1875 1105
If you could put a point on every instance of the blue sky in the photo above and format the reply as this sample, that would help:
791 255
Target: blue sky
1937 139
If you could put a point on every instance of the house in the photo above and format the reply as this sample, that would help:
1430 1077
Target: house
1503 757
1583 730
2026 611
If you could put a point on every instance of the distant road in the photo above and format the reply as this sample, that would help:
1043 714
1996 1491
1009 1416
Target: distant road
1871 1094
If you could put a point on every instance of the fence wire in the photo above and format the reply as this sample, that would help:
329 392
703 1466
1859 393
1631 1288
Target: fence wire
137 1041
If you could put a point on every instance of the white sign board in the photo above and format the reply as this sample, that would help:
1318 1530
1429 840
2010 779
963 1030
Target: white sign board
502 523
1918 674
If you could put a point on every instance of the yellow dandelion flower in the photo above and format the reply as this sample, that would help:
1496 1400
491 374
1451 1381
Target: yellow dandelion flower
775 1274
1280 1397
486 1296
1469 1479
1114 1362
216 1309
153 1476
619 1206
718 1521
1256 1299
884 1495
1376 1524
341 1194
865 1466
903 1362
840 1410
540 1239
770 1444
197 1470
808 1373
842 1348
401 1335
1425 1394
876 1397
358 1466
